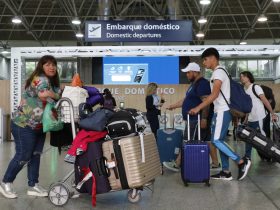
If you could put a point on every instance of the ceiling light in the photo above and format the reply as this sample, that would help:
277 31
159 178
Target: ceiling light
5 52
204 2
200 34
79 35
16 20
243 43
76 21
202 20
276 1
262 18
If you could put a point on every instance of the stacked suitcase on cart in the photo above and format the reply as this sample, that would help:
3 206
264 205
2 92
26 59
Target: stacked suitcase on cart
132 160
128 159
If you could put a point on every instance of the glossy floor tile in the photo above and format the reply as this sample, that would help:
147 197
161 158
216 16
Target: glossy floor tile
259 191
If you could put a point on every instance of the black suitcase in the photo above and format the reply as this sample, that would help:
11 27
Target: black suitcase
260 142
92 159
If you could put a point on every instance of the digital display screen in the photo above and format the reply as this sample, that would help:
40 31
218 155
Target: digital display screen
126 73
141 70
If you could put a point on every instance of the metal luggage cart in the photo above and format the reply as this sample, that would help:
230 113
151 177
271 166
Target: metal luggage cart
60 192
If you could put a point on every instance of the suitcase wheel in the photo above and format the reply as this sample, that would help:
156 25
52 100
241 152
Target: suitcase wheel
134 195
59 194
186 184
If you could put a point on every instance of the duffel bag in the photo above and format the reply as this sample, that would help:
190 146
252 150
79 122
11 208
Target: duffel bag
125 122
97 120
259 141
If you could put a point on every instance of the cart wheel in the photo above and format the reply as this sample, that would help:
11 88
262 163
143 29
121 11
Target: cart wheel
59 194
134 195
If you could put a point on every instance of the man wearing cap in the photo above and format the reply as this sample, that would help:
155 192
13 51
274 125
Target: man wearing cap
196 93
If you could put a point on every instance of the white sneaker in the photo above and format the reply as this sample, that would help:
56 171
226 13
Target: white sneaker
37 190
171 166
7 190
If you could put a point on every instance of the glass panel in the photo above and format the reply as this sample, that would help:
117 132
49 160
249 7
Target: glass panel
231 67
259 68
265 68
253 67
29 67
241 66
66 70
207 73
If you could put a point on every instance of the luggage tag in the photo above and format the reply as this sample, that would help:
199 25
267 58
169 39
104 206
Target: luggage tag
142 147
110 164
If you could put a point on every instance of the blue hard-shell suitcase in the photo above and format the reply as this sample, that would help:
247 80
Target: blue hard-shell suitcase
169 141
195 160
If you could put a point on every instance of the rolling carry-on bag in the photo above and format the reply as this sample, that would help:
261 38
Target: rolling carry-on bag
195 164
169 141
259 142
131 161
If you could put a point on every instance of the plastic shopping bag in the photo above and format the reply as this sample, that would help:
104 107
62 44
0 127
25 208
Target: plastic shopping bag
76 81
50 119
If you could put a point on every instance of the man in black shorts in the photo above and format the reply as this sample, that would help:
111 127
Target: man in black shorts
196 93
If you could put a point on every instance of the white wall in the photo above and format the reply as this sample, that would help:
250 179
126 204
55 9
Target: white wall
4 68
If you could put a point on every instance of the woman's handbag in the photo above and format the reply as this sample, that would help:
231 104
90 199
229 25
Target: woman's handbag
50 119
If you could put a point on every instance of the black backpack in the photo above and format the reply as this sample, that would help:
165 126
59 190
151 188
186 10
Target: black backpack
268 94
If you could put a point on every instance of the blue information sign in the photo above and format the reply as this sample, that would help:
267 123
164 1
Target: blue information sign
138 31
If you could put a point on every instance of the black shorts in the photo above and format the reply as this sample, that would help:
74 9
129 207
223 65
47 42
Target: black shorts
205 133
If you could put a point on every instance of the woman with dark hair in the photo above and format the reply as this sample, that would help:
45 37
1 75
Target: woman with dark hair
257 115
27 129
153 105
109 101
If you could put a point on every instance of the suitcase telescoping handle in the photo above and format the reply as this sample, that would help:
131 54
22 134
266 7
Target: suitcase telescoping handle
165 121
197 127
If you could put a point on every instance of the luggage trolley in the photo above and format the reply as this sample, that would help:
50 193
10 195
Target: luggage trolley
60 192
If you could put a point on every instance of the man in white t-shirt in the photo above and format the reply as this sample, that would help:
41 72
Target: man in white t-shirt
257 115
220 85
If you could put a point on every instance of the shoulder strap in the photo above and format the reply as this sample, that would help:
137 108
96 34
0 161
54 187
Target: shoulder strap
229 81
196 84
229 76
254 91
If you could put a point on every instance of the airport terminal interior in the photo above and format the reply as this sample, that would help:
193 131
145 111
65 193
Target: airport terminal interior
124 46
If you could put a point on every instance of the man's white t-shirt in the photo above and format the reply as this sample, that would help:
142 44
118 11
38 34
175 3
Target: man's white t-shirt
220 105
258 111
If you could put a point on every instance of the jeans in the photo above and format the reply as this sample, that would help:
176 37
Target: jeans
219 129
29 145
258 125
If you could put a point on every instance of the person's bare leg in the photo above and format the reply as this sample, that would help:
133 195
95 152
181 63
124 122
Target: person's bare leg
178 159
213 154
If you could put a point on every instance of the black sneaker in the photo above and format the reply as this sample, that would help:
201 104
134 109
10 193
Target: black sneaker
247 158
223 176
215 166
244 168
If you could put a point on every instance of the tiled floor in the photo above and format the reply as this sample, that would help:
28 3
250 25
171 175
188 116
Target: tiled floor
260 190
